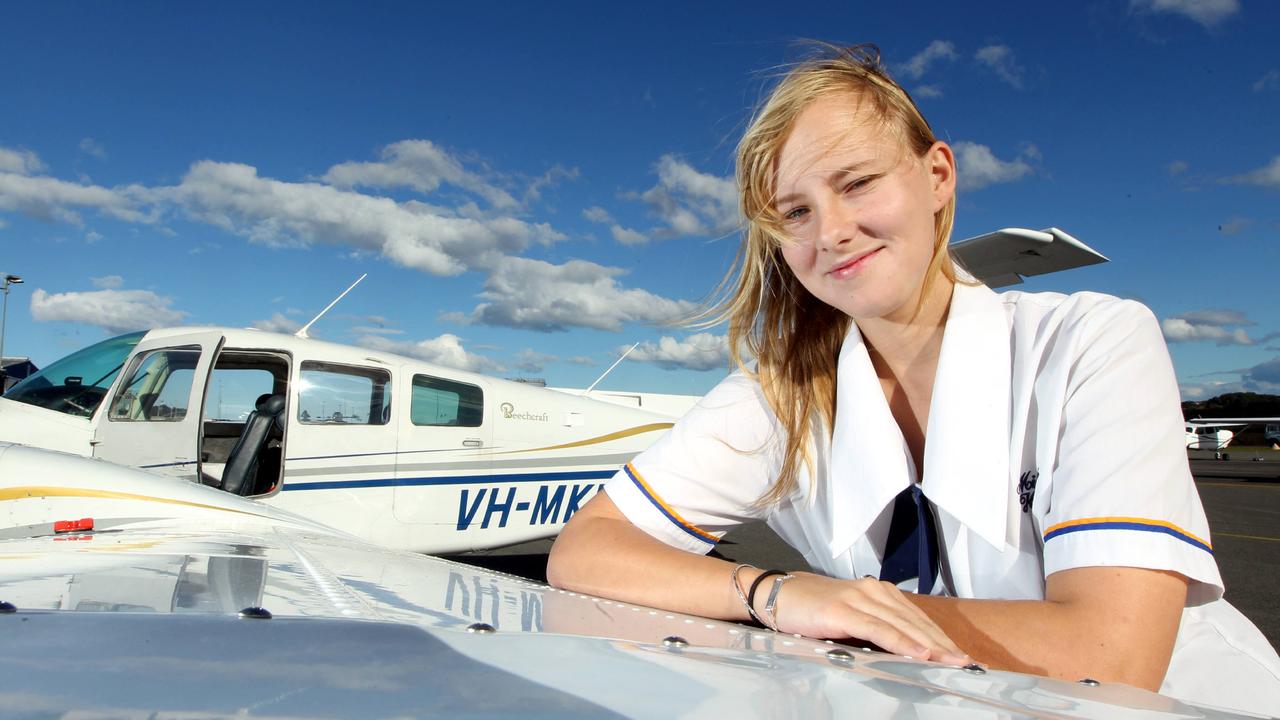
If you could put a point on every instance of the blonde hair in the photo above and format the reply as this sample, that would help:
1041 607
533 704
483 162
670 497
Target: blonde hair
795 337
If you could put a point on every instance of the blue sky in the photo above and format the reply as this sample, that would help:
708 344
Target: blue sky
534 186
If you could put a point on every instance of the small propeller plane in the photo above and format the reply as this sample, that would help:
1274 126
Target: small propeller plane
391 449
1217 433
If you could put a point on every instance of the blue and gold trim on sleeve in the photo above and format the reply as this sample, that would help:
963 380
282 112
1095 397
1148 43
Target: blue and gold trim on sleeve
666 509
1127 523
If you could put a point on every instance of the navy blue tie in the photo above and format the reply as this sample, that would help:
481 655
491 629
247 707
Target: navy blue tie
911 550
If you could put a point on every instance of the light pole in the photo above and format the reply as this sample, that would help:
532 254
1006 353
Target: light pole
4 313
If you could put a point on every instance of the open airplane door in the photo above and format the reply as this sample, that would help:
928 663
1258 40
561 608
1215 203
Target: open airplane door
153 414
1006 256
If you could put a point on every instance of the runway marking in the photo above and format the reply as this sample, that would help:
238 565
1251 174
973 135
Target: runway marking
1246 537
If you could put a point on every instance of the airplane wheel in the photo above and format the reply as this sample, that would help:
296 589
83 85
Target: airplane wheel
1226 456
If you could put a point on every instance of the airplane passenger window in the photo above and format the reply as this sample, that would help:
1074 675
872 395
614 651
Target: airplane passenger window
331 394
443 402
159 387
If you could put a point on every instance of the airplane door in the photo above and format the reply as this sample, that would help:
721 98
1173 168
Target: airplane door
445 437
152 416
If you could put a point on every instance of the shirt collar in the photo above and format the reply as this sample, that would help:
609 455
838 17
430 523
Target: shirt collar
967 441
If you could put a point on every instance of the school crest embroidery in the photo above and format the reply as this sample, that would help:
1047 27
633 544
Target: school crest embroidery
1027 489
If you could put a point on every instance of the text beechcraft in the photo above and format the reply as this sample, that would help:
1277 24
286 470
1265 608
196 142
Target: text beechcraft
388 448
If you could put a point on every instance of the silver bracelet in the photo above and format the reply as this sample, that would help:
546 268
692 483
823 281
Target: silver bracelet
771 605
737 587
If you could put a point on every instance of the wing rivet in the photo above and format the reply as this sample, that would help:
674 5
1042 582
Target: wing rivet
255 613
974 669
1089 681
481 628
675 642
7 607
840 656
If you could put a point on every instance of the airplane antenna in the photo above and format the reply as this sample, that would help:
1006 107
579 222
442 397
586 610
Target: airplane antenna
302 333
611 367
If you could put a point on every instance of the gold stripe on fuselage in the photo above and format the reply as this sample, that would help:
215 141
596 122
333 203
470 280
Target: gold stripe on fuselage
639 430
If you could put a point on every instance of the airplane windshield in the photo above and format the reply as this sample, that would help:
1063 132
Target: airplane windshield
76 384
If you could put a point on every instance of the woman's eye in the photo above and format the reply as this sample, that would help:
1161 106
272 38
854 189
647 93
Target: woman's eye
795 214
859 183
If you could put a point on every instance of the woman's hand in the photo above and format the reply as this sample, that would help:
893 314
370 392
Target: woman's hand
867 609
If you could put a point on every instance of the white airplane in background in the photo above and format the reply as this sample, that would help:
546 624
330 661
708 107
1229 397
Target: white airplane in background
127 595
394 450
1214 433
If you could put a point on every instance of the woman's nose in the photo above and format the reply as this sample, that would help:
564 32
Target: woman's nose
837 225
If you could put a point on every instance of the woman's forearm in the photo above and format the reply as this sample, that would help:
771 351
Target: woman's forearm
1109 624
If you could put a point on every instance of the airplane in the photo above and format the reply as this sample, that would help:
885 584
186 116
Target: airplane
125 594
1213 433
394 450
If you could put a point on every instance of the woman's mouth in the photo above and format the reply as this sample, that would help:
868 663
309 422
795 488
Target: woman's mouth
853 265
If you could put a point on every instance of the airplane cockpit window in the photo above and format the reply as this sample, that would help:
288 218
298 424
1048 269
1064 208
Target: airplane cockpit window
158 388
444 402
331 394
76 384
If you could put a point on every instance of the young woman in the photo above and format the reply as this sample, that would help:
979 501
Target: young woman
971 475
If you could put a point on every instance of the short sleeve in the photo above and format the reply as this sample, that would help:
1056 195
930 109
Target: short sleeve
1121 490
705 475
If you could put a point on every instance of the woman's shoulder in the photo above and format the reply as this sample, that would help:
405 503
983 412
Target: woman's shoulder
1083 311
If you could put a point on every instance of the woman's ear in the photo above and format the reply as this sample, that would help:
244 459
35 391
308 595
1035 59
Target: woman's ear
942 173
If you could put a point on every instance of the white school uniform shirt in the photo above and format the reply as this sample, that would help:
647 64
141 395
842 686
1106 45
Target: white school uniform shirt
1055 441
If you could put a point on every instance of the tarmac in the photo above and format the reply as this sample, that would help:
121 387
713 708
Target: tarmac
1241 498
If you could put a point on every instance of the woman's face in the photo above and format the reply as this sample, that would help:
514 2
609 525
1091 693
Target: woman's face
860 208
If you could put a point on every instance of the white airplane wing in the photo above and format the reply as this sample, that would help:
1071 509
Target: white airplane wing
1005 257
134 596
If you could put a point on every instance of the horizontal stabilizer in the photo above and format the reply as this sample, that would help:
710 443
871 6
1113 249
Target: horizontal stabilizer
1005 257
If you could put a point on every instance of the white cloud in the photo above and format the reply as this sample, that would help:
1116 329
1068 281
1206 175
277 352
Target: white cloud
916 67
1205 12
533 294
20 162
1177 167
108 282
92 236
978 167
597 214
1268 82
701 351
1000 59
1266 176
692 202
555 175
1207 326
417 164
273 212
927 91
627 236
581 360
1217 317
1205 390
444 350
93 147
530 360
112 309
278 323
48 198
